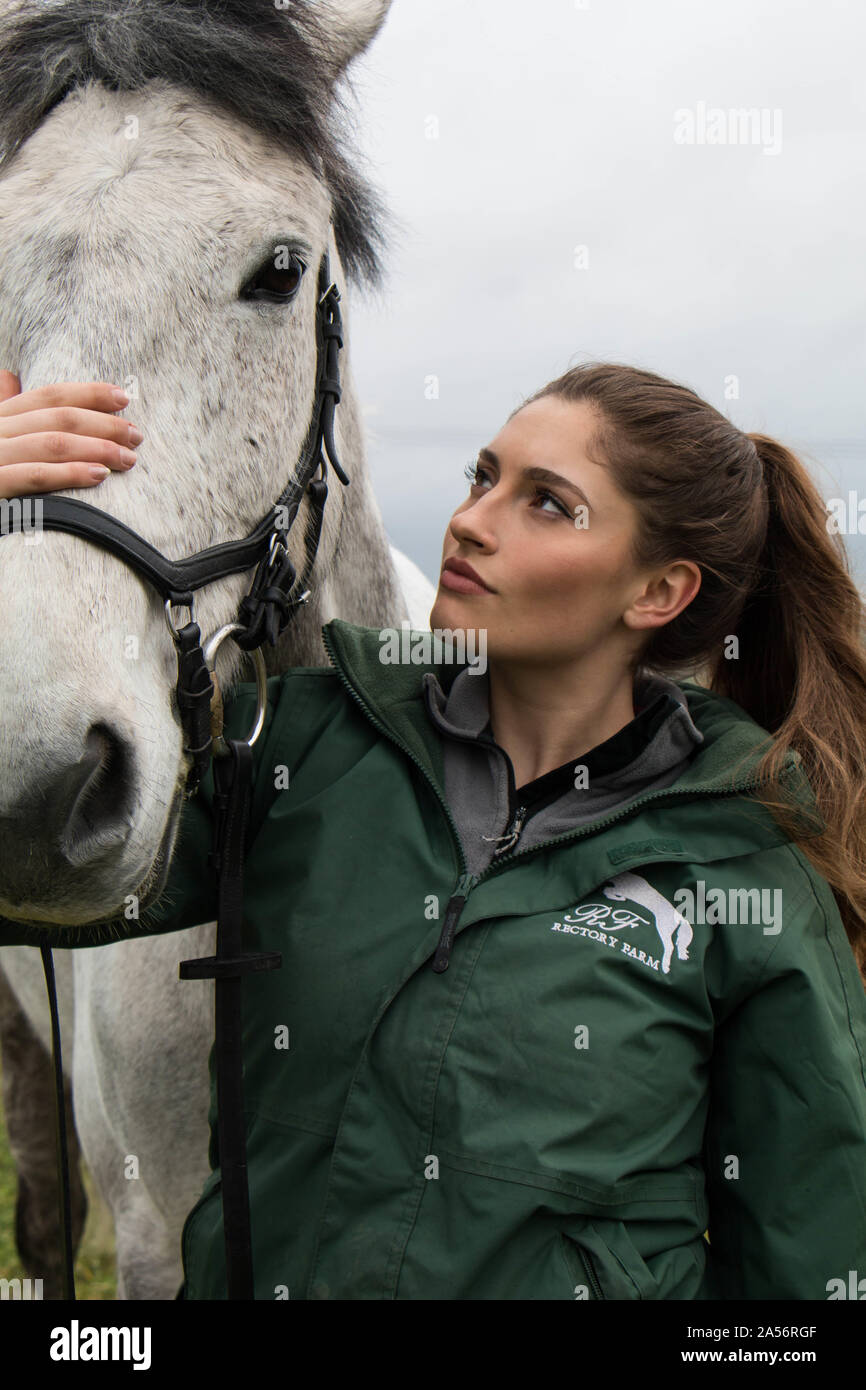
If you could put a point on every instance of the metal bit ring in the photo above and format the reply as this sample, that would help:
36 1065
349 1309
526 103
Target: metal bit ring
220 747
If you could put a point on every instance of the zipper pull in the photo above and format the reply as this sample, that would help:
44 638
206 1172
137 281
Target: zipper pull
452 914
512 834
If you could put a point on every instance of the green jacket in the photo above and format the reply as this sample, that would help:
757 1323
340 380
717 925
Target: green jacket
554 1116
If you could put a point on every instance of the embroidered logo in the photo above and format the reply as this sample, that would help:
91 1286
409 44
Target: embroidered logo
672 927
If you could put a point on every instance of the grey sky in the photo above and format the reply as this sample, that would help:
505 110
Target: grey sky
702 261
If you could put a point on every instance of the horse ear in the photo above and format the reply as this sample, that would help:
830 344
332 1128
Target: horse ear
349 27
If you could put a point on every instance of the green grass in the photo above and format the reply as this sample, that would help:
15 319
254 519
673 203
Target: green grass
95 1265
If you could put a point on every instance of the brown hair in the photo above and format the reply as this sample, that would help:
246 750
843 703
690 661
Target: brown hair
746 511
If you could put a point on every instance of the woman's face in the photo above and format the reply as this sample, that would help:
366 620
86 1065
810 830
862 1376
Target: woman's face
554 552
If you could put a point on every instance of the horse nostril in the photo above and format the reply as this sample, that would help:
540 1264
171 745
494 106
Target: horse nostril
99 818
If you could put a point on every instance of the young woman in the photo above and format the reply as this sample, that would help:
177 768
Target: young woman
570 943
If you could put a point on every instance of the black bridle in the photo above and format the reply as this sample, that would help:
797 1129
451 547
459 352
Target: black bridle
267 608
263 615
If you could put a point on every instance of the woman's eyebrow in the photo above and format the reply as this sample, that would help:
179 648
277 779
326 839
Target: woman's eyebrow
539 475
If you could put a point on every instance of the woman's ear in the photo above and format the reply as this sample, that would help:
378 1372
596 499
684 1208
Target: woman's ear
665 597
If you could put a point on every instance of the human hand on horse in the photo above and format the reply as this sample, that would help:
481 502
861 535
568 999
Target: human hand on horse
62 436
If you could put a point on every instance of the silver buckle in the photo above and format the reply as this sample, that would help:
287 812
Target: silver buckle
170 625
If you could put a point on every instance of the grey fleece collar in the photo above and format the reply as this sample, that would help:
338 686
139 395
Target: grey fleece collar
477 780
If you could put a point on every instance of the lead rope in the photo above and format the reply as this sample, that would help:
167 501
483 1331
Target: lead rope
232 777
62 1146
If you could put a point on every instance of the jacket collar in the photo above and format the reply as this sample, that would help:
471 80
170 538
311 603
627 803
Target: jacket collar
660 736
392 694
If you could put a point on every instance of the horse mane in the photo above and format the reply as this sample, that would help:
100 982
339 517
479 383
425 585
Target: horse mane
267 66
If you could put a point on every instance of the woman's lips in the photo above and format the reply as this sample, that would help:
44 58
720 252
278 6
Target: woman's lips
461 583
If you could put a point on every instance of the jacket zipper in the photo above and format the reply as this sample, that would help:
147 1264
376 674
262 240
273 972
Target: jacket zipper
592 1277
453 910
467 881
512 833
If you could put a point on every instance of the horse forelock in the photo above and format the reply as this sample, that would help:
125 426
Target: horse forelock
266 66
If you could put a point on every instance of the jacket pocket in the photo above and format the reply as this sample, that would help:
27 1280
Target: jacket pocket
580 1268
605 1260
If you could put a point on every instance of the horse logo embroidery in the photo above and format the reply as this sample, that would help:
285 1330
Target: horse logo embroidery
672 927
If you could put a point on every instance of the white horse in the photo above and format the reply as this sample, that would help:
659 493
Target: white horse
672 927
181 147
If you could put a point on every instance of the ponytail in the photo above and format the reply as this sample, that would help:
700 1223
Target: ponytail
801 674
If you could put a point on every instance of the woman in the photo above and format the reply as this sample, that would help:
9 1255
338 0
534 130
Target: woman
559 994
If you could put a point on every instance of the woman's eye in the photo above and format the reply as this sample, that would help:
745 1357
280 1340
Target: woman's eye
557 505
275 281
474 472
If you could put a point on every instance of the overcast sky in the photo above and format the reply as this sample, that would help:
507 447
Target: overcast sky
506 136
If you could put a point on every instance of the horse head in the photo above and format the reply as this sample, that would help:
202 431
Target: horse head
171 176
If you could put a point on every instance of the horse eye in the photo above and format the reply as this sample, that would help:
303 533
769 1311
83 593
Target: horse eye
278 283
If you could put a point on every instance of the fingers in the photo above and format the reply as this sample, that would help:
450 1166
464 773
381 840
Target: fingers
9 384
89 395
23 479
56 447
52 437
69 419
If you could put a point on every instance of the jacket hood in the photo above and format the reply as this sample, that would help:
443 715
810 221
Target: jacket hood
723 765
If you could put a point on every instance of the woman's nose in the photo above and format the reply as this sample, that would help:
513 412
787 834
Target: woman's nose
472 524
